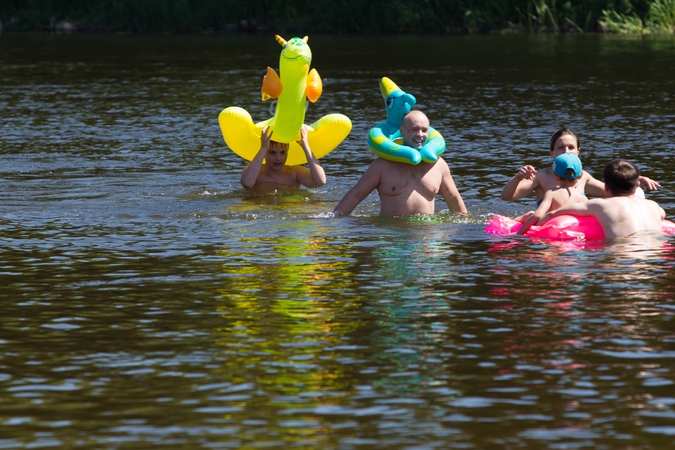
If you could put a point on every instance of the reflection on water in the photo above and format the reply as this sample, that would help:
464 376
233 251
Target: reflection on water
149 301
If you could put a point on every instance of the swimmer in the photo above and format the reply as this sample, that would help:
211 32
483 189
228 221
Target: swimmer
275 173
622 213
405 188
567 171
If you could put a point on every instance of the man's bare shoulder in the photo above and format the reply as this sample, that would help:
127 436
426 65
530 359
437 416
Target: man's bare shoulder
442 164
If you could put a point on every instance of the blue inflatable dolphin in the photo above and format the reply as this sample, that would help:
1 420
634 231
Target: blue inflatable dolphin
385 138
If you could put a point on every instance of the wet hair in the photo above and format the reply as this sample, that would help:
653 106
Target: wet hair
563 132
621 177
279 144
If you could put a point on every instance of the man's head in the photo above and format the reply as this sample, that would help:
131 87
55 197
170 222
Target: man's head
621 177
276 156
415 129
567 165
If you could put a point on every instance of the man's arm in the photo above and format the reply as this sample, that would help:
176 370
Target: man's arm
449 191
521 185
541 210
250 173
577 209
314 177
369 181
596 188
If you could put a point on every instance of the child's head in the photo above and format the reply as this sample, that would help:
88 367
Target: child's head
277 154
621 177
567 166
563 141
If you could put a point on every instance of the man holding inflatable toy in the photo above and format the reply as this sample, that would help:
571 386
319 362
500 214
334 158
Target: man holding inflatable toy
406 188
275 173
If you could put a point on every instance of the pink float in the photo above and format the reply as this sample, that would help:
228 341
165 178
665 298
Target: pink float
560 228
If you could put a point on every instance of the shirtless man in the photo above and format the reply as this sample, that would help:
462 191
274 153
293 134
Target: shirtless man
275 173
404 188
621 213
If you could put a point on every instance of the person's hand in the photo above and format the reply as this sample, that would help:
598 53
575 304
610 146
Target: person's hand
527 172
648 183
265 138
303 136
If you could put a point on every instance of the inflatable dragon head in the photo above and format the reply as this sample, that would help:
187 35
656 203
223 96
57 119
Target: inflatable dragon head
397 103
295 50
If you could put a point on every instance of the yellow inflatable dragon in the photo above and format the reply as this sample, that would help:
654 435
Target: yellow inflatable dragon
292 89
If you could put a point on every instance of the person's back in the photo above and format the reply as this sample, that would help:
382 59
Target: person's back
623 216
621 213
563 196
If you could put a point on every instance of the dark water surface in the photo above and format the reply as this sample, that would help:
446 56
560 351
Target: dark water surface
148 302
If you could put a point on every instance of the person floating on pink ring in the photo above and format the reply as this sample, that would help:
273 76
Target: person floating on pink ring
622 213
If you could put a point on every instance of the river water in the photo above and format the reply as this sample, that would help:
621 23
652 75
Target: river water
148 302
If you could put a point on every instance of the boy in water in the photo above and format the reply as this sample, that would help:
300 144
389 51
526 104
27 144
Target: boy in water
621 213
529 180
567 172
275 173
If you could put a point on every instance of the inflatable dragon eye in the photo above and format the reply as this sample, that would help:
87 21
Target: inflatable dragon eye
390 102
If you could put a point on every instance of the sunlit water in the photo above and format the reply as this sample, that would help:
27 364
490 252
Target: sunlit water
148 302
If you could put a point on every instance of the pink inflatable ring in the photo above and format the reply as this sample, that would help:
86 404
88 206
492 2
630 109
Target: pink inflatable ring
560 228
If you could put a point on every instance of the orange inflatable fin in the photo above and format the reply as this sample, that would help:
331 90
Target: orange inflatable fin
272 86
314 86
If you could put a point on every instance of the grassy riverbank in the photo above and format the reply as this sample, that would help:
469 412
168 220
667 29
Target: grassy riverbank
339 16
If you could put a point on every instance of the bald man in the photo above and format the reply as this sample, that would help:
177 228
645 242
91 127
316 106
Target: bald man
406 189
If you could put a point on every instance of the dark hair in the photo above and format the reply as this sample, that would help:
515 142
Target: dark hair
621 177
279 144
563 132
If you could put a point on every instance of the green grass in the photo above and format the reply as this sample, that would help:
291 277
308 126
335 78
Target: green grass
660 18
343 16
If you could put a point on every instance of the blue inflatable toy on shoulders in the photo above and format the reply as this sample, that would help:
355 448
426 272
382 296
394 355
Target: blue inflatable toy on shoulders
385 138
